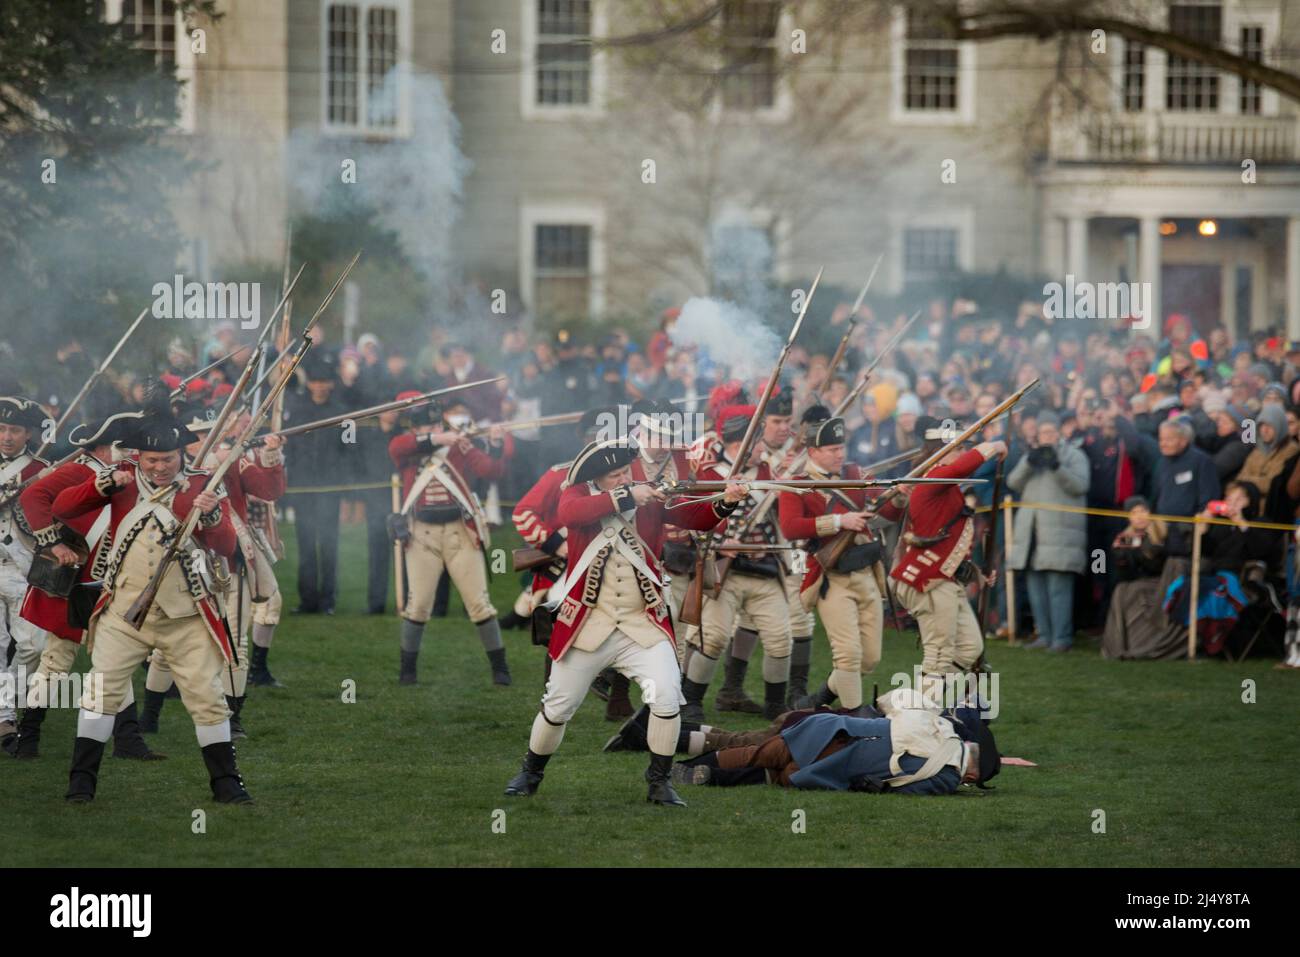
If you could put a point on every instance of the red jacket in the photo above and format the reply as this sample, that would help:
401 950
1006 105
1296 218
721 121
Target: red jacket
581 509
932 507
799 512
37 501
85 498
535 520
682 465
410 455
247 477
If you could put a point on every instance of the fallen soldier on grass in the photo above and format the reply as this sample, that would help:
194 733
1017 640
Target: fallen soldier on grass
905 747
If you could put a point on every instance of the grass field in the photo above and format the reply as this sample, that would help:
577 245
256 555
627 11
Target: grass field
1184 771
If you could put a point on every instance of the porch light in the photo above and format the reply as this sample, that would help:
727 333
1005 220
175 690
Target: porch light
1168 227
1207 227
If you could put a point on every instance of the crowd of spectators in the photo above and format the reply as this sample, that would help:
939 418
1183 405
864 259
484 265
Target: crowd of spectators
1170 421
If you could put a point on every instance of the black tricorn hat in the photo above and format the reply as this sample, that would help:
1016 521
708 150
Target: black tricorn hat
829 432
155 432
15 410
601 458
110 431
657 417
782 403
990 757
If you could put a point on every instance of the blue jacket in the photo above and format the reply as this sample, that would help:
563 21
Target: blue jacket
868 755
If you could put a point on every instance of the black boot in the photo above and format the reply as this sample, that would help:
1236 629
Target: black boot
87 753
529 778
773 699
659 776
693 692
798 683
153 702
819 698
731 696
223 774
406 676
632 736
235 705
27 744
619 705
500 670
127 740
259 675
601 684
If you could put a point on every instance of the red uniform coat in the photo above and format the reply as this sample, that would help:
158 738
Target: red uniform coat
536 519
932 507
410 455
29 471
246 478
799 512
581 509
37 501
79 500
682 465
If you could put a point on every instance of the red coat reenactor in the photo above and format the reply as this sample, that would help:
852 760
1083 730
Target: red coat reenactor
21 641
444 528
931 576
72 558
611 608
149 500
848 597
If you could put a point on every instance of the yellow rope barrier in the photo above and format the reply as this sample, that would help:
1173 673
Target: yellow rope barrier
1119 513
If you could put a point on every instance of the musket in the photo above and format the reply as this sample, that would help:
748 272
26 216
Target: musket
691 614
830 553
139 609
866 373
564 418
853 323
370 412
706 489
261 340
90 383
284 284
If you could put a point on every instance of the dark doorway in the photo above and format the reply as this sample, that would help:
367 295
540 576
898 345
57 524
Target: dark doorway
1194 291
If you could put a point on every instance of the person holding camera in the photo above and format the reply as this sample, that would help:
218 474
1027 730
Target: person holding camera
1051 545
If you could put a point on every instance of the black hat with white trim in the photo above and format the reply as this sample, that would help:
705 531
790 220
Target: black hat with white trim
601 458
827 432
15 410
657 418
108 432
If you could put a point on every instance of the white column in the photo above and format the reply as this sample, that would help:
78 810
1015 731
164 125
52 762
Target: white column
1053 263
1149 271
1077 243
1293 277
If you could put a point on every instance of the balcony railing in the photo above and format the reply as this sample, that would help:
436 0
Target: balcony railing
1153 137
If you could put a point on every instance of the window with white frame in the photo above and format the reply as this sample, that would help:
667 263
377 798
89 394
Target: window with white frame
159 27
153 25
749 54
1189 85
1135 76
562 269
1252 92
930 253
932 61
363 83
564 53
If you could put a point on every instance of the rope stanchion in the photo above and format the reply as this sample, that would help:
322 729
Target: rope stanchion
1009 579
1196 590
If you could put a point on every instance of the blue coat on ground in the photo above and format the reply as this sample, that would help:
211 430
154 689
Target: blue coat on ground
868 755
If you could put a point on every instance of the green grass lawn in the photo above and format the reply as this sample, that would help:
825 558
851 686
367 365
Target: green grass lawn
1184 771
